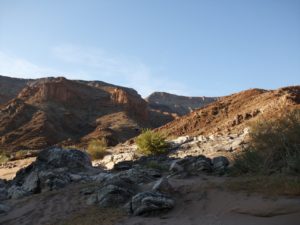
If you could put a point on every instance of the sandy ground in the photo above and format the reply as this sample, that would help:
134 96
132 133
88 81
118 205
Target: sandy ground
199 200
9 170
203 201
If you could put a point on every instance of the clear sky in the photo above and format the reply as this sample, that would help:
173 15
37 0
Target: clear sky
189 47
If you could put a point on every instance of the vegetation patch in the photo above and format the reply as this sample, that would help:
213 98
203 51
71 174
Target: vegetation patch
97 148
274 147
151 143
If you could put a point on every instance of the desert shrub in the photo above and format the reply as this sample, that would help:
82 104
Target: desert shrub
97 148
3 157
151 143
274 146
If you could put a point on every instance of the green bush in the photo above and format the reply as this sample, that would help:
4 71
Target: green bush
274 146
97 148
151 143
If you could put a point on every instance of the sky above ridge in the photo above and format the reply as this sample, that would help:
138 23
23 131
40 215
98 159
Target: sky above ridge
187 47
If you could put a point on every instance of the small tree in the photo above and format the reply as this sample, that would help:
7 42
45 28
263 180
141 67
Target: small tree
151 143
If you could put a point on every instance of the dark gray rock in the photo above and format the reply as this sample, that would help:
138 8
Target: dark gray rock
141 175
191 165
3 189
116 191
220 164
4 208
147 203
163 186
54 168
31 183
73 160
3 194
113 196
16 192
52 180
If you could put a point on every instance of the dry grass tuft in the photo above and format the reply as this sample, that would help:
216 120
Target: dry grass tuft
97 148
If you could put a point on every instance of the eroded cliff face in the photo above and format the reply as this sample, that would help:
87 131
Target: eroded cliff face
133 103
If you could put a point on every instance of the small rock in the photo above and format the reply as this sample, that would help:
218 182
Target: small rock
4 208
220 163
92 199
175 167
163 186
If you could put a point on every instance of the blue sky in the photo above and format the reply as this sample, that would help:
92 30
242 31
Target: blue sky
188 47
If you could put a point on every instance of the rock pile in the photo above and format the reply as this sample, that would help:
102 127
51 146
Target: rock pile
141 187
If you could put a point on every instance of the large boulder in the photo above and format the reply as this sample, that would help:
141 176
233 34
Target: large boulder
113 195
54 168
150 202
114 191
73 160
141 175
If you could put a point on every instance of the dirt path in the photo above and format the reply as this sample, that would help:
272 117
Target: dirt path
63 207
204 202
200 200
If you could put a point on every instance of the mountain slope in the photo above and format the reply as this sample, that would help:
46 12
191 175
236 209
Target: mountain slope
232 113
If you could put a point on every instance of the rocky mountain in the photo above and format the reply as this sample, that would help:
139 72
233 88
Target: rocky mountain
54 110
39 113
232 113
176 104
